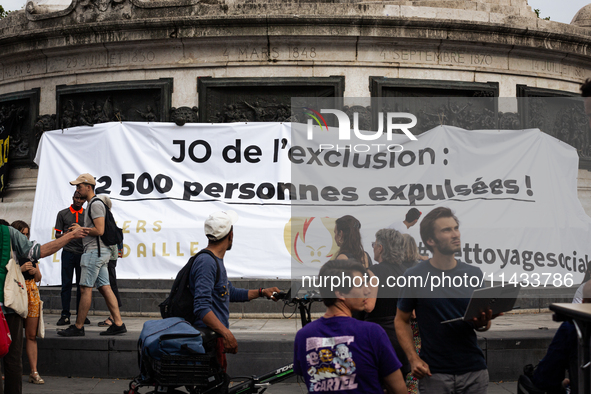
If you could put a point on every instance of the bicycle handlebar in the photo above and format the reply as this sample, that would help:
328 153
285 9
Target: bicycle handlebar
279 296
310 296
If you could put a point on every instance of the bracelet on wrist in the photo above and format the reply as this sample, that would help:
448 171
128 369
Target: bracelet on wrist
260 292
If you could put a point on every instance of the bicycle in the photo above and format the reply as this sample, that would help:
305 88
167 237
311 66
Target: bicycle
200 372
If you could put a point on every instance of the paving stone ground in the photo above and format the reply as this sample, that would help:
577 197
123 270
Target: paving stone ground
64 385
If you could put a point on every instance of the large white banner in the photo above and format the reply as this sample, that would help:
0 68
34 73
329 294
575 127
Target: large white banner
514 192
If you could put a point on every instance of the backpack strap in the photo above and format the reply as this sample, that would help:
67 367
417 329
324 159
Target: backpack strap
98 244
209 252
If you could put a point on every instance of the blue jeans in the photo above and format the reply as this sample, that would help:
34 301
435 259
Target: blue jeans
70 263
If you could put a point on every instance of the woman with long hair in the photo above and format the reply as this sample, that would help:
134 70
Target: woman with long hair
347 235
32 275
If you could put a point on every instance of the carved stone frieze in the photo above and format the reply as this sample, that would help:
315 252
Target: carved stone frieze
44 123
364 115
226 100
140 101
509 121
467 105
18 114
560 114
80 113
183 115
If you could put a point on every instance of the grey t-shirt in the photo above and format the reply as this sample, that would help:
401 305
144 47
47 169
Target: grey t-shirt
97 210
65 218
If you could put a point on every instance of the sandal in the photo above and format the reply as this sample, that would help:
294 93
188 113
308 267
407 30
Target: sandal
107 323
35 378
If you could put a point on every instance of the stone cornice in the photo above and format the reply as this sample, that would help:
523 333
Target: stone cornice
164 3
516 33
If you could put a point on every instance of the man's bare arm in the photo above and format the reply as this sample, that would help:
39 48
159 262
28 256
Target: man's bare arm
419 368
97 230
99 227
51 247
395 383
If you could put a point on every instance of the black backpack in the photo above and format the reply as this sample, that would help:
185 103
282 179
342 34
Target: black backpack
179 302
112 235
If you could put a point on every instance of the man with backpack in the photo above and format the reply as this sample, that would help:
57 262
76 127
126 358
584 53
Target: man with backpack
94 261
212 291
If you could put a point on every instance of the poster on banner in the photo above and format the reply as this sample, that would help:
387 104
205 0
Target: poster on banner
514 193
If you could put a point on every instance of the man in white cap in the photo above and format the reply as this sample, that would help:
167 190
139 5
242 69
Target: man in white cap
209 283
93 263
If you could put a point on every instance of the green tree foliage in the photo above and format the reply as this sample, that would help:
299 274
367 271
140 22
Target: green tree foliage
2 12
537 11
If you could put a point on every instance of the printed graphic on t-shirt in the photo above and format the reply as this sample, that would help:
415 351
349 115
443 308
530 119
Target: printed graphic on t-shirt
330 363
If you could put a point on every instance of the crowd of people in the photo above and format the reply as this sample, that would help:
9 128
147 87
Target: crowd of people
372 338
443 358
78 232
369 340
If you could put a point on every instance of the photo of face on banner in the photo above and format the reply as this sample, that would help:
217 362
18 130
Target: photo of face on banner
310 240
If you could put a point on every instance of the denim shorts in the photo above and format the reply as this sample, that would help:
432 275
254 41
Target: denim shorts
93 269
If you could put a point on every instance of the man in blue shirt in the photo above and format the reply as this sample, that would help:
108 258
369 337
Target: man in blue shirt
212 291
450 359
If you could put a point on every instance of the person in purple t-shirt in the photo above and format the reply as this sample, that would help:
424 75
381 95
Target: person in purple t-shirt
339 354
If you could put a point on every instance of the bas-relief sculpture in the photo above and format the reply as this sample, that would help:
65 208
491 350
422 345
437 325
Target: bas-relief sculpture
261 110
565 121
183 115
79 113
13 118
18 115
138 101
225 100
